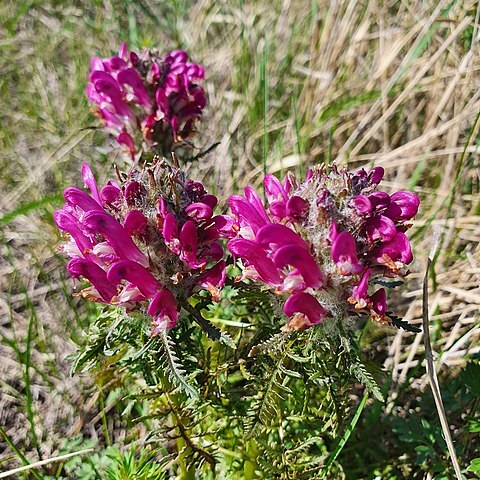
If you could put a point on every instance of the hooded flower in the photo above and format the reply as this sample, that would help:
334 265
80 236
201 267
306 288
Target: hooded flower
147 101
323 243
147 244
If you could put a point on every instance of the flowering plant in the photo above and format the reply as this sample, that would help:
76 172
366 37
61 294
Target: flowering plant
279 284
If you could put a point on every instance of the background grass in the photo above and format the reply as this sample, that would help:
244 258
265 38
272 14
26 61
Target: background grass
290 84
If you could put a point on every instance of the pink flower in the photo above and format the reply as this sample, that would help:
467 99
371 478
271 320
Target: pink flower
327 239
344 254
305 310
140 257
145 101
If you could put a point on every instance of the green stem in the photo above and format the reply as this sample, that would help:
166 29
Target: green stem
250 465
346 435
186 473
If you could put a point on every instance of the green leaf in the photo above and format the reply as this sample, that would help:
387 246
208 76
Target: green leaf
399 323
359 370
345 436
474 467
470 376
29 207
173 367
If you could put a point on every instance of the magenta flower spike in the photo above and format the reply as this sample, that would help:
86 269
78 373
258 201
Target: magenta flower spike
321 244
148 103
144 248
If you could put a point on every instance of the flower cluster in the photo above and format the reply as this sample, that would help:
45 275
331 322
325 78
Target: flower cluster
325 242
143 99
147 243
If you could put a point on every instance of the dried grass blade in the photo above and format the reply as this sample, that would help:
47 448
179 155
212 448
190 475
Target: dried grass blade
431 372
44 462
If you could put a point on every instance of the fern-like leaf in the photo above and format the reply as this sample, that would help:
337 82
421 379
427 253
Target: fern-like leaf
399 323
361 373
174 368
265 405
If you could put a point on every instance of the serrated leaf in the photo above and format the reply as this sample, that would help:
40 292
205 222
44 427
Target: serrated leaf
299 359
290 373
211 330
361 373
273 343
387 284
174 368
399 323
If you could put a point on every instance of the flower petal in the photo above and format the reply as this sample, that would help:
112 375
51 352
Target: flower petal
164 310
380 228
135 222
199 211
90 182
107 226
137 275
278 234
274 190
379 302
126 139
344 254
307 305
130 77
296 207
403 206
376 174
301 260
255 255
245 210
94 274
398 249
68 223
78 198
362 204
189 243
213 279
